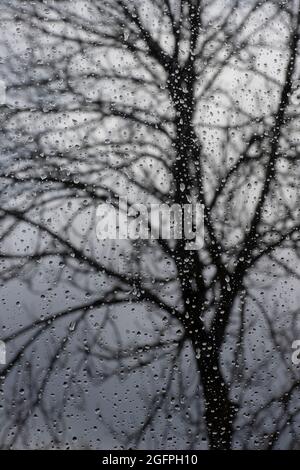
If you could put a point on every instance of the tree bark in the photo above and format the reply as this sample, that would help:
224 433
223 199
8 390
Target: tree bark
220 412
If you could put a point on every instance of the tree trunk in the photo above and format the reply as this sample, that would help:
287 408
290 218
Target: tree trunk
219 410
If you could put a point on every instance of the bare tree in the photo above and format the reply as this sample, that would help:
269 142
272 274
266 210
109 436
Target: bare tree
163 101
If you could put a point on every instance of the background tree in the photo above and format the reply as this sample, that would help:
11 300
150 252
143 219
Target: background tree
163 101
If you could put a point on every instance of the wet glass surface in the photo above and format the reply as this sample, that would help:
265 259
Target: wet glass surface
124 327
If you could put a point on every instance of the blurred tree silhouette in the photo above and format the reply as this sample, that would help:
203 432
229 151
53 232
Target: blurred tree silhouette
163 101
